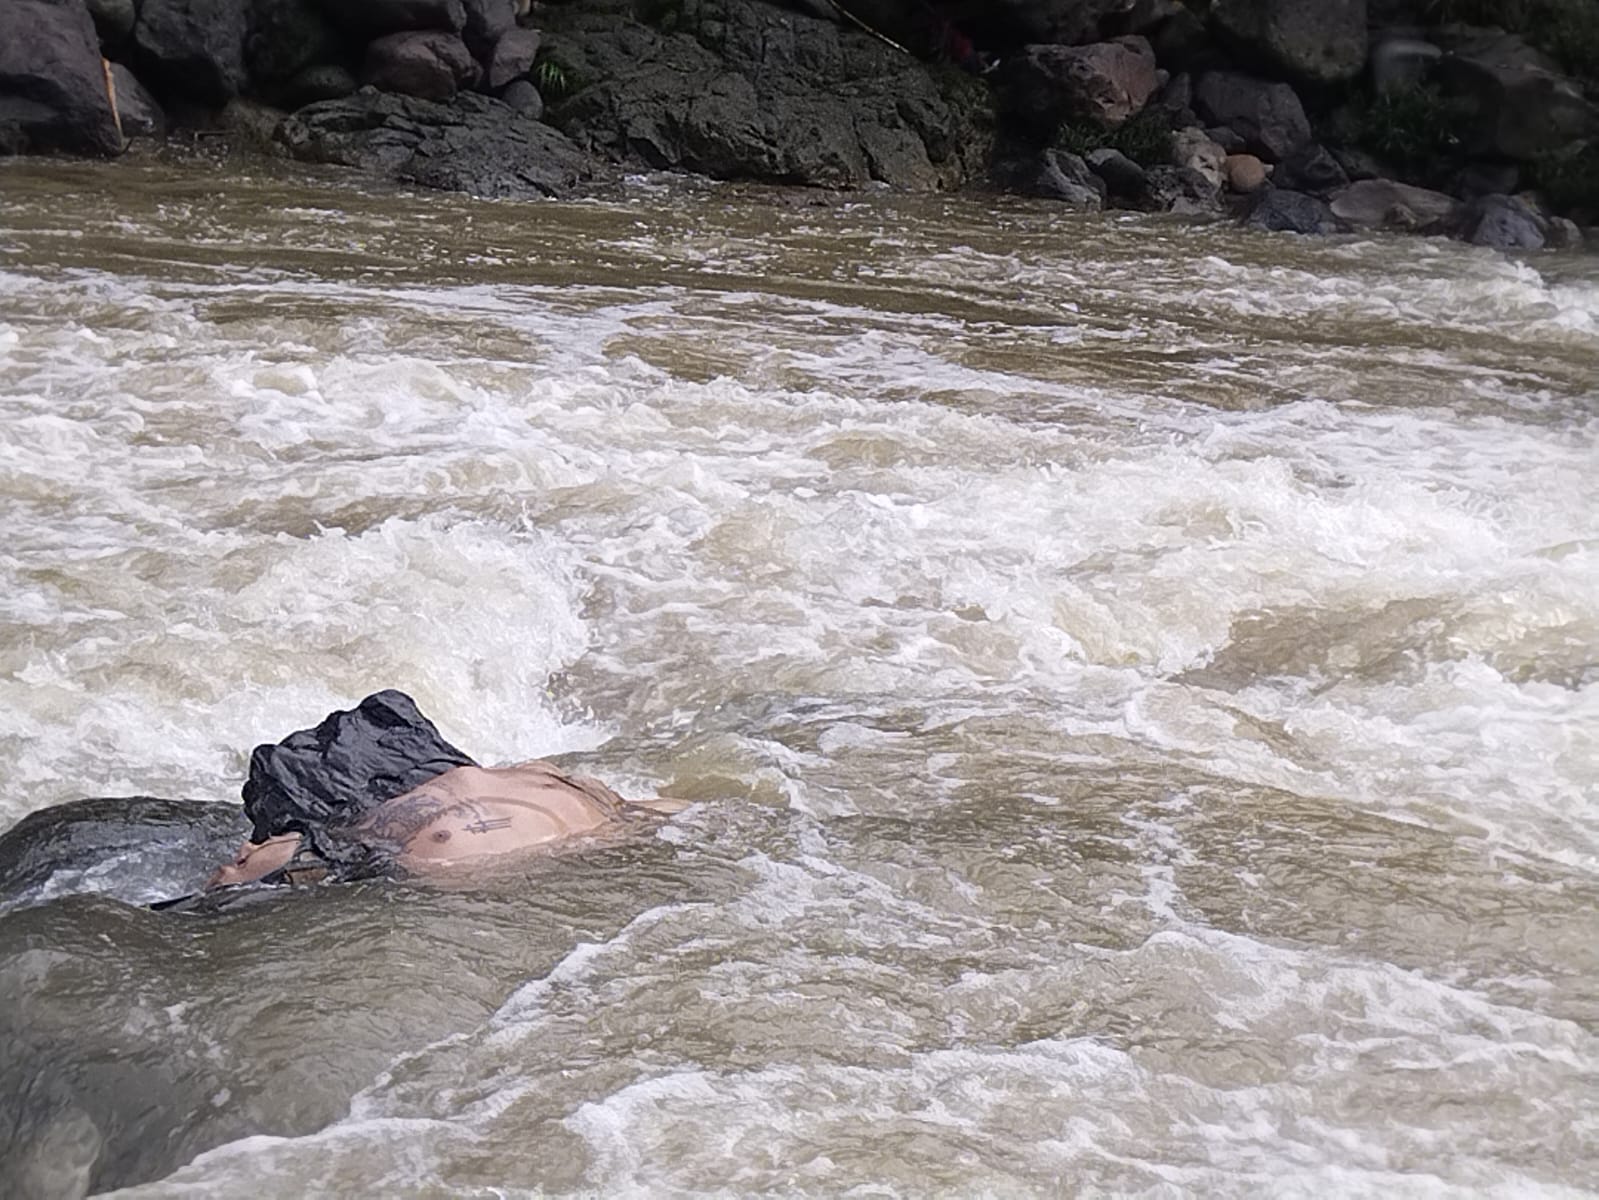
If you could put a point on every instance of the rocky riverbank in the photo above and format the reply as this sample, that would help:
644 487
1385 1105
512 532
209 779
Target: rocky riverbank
1307 115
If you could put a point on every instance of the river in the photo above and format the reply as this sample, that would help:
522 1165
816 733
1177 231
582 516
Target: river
1138 683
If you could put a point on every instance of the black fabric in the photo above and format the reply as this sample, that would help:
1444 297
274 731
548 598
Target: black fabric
318 779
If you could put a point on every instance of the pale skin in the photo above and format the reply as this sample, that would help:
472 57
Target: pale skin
464 814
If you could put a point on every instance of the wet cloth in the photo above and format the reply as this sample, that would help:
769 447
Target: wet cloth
317 782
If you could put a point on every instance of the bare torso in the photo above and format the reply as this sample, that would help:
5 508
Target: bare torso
463 814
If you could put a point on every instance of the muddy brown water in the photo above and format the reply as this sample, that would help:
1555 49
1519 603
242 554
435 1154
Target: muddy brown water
1138 682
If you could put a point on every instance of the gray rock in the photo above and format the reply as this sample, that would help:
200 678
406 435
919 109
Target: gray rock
756 92
1066 177
1176 100
1357 164
1521 109
473 144
430 65
113 20
523 98
137 109
1182 43
192 48
1193 149
1311 169
1227 139
373 18
1124 179
324 81
1180 190
486 22
52 87
1282 211
1385 204
1563 234
1318 41
250 122
1104 83
1502 223
512 57
1268 116
1399 62
1486 179
287 36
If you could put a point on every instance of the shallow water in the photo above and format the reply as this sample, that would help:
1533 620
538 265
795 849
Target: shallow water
1139 684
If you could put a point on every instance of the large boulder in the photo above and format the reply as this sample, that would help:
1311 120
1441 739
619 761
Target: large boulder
473 144
1281 211
113 20
1317 41
1104 83
53 92
285 37
1268 116
1385 204
430 65
373 18
486 22
1502 223
511 57
1520 108
748 90
193 48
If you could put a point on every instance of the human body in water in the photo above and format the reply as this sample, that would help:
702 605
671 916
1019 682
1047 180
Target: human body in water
465 814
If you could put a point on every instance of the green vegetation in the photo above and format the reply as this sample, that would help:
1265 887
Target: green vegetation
553 80
1144 137
1570 181
1411 125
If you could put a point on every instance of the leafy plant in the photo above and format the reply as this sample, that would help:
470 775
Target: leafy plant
552 79
1144 137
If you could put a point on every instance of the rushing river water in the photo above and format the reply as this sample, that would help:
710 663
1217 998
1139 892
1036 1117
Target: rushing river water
1139 683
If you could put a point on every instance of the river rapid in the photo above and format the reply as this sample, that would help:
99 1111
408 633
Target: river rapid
1137 682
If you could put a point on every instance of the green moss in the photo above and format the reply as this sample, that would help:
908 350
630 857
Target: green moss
1144 137
554 81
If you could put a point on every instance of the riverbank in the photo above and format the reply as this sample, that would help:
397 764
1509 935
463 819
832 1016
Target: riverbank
1284 114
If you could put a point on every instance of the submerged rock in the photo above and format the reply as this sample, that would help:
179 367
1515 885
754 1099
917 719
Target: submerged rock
1385 204
1282 211
52 86
138 849
474 144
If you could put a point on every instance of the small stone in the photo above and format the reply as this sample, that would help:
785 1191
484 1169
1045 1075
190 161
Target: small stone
1123 178
521 95
1193 149
1245 173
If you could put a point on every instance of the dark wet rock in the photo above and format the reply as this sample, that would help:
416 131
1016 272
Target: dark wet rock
512 57
324 81
1180 190
1007 24
1318 41
1563 234
192 48
751 91
1385 204
1245 173
286 37
138 849
1282 211
113 20
1522 109
52 86
1502 223
486 22
521 96
1311 169
474 144
1104 83
1399 61
1176 100
1124 179
429 65
1358 164
1268 116
251 123
137 109
373 18
1065 177
1486 179
1183 43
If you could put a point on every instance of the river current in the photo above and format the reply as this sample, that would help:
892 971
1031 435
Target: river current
1138 683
